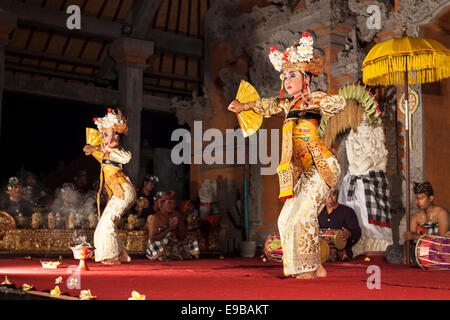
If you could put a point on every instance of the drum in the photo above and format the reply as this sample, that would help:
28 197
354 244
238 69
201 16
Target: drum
333 238
274 251
433 252
272 248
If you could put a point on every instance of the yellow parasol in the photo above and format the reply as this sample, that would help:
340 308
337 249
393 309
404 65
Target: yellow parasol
401 61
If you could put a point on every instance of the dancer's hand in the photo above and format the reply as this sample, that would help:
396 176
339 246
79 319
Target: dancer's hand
89 149
236 106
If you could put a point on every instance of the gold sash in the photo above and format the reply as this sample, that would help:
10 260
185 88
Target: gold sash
284 169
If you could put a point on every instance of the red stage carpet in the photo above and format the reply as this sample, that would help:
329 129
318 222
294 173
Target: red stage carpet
231 279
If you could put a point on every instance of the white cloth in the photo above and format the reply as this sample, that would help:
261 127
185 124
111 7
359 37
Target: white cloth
106 237
298 223
358 203
366 244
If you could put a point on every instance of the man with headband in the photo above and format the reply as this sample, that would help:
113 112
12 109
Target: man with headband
431 219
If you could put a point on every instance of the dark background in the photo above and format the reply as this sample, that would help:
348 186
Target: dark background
46 137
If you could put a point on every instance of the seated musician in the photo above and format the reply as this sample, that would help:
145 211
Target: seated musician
338 216
14 203
167 233
430 219
148 192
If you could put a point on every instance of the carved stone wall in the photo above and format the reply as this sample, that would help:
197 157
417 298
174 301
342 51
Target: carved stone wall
188 111
340 32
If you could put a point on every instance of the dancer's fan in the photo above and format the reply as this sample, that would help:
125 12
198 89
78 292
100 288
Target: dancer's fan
94 138
249 121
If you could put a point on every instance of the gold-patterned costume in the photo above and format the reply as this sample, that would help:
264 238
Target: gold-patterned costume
308 171
122 196
121 192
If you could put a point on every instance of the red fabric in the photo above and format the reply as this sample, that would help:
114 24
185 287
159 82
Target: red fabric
211 219
208 205
232 278
380 223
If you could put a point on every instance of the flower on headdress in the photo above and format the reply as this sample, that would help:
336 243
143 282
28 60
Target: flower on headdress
113 121
58 280
302 52
275 58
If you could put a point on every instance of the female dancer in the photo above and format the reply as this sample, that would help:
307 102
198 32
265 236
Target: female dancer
122 194
308 170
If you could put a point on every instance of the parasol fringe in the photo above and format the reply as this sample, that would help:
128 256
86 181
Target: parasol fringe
421 69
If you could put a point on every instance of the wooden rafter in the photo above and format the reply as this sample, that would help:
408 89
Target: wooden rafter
79 92
141 16
52 51
93 27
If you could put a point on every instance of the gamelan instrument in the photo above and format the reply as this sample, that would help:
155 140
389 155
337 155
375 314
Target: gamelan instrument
274 251
333 237
433 252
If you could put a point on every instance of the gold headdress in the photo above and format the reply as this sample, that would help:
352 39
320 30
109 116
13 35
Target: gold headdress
299 56
114 121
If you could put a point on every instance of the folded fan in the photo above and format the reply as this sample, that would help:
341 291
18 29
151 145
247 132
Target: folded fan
249 120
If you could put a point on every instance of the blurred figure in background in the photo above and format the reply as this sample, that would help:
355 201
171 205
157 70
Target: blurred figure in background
145 197
14 203
167 233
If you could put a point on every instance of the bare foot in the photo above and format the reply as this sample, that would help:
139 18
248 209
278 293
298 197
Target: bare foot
321 272
124 257
111 261
306 275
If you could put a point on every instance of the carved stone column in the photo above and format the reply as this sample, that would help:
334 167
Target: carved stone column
8 22
131 57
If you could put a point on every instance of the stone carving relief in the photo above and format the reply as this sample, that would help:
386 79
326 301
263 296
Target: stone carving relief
413 13
224 23
416 13
207 195
263 27
366 150
188 111
231 83
349 60
359 9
